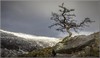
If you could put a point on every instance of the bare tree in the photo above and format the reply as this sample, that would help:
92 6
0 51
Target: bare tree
66 22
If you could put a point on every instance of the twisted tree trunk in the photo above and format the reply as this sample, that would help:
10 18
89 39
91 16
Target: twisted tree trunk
70 34
67 37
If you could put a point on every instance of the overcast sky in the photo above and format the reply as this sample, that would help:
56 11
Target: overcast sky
33 17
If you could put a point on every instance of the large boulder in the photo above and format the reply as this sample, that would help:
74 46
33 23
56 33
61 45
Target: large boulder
76 43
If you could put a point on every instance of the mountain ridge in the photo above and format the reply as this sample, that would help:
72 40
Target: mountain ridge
11 42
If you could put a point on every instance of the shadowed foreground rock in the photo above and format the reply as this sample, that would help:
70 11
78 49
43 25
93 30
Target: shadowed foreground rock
80 43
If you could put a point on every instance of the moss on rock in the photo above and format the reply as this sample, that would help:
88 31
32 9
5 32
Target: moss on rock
46 52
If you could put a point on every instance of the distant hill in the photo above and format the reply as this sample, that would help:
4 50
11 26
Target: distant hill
13 44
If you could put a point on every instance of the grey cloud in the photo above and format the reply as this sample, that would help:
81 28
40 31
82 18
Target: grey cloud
34 17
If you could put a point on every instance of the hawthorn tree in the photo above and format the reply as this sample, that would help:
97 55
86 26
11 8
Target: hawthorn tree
65 20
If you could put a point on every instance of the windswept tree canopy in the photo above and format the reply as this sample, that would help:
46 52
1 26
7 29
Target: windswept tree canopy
65 20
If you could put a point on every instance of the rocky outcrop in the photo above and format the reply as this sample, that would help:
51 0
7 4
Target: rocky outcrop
76 43
78 46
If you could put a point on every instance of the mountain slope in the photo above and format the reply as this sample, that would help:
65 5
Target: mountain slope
23 42
77 46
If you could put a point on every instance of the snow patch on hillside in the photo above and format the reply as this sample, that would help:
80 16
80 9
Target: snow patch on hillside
50 40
